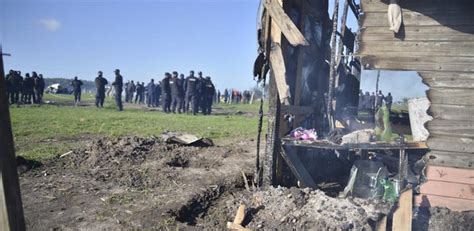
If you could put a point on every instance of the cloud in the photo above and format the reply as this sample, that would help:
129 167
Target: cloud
50 24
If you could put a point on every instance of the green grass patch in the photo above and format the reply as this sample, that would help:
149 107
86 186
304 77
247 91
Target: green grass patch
42 132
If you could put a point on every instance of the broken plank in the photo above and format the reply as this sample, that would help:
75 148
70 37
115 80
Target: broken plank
448 79
419 33
402 217
448 189
451 128
455 204
406 62
452 112
454 144
382 224
286 25
415 5
290 156
449 174
277 64
450 159
419 48
438 18
451 96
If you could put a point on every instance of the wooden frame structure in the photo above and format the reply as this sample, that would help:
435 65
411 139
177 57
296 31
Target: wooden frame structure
436 39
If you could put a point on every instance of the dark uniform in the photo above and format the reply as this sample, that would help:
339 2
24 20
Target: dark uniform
208 95
201 88
177 94
118 85
39 88
181 84
100 83
151 93
139 96
157 92
28 86
389 101
10 76
166 93
76 89
131 90
191 93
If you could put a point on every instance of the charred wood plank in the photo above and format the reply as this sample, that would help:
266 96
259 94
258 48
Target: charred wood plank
287 27
291 158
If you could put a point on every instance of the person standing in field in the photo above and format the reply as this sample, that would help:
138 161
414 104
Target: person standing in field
389 101
39 88
100 83
151 93
118 85
191 93
176 94
208 95
76 90
166 92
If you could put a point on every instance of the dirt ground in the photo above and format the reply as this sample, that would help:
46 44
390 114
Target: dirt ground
146 183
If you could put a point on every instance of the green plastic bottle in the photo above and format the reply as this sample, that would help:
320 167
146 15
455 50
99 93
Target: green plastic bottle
390 193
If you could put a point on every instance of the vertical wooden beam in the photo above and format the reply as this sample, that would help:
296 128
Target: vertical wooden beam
340 44
332 68
402 217
299 64
11 209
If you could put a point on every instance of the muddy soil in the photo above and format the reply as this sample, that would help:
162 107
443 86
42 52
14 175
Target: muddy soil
146 183
131 183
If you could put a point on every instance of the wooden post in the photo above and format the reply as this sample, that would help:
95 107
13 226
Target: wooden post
11 209
332 68
340 44
376 90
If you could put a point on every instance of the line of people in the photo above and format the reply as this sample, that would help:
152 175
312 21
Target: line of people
373 102
26 90
174 92
235 96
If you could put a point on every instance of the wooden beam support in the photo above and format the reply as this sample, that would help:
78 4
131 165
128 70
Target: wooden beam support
402 217
11 209
277 63
297 167
287 27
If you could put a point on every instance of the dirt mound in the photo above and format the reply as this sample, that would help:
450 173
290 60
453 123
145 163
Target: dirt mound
440 219
130 183
301 209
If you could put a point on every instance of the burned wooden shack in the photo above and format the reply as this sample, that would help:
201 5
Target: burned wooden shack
310 55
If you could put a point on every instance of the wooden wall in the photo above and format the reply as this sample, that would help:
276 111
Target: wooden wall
437 40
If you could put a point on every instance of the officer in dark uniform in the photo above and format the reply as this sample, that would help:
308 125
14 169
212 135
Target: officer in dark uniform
100 83
208 95
191 93
138 96
28 86
166 92
177 94
202 86
118 85
10 75
150 87
157 94
76 89
15 82
181 84
42 85
38 88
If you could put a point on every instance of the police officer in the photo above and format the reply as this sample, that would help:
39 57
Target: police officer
76 89
389 101
138 96
8 77
166 92
201 88
126 85
100 83
39 88
177 94
28 86
150 87
181 84
131 90
208 95
118 85
157 94
191 93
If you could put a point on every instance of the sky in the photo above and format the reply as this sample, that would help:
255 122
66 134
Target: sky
143 38
146 38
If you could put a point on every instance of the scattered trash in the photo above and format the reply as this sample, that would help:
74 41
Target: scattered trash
186 139
357 137
304 134
65 154
364 181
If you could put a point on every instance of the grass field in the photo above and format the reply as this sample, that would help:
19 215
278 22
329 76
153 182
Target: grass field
41 132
